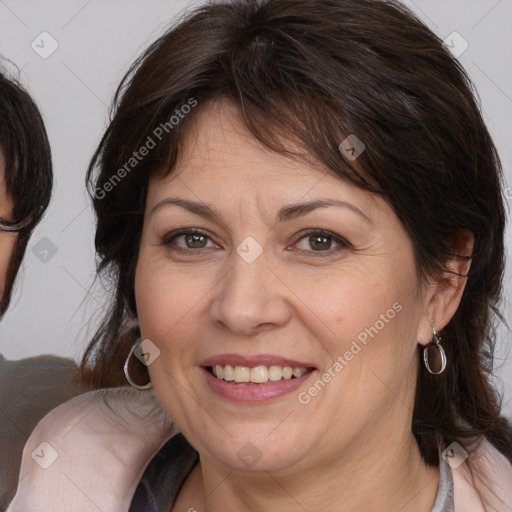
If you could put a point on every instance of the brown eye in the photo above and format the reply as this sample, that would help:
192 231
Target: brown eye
195 241
321 241
188 239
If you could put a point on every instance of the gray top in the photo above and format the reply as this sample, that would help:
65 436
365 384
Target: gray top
444 498
170 467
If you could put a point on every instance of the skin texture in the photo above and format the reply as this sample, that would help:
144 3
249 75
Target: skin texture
7 240
351 446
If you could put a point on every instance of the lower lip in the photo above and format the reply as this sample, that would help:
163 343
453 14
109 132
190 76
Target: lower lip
242 392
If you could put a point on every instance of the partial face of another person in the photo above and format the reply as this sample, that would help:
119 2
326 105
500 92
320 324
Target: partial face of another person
252 263
7 240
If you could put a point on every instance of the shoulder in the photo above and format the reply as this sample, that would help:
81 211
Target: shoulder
484 481
91 451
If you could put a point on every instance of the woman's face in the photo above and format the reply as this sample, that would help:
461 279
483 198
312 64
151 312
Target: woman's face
7 240
290 267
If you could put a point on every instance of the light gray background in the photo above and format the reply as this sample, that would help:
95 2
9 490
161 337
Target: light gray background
98 39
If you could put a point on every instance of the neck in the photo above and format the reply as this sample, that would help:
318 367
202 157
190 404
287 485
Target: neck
367 477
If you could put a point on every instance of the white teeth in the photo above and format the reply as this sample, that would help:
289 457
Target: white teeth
242 374
299 372
275 373
257 374
287 372
229 373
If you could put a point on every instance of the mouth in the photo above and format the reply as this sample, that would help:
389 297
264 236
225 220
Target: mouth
260 374
254 379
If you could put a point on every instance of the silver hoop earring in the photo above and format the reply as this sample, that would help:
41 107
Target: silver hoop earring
439 359
136 345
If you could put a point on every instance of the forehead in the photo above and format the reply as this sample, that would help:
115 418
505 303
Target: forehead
221 158
218 138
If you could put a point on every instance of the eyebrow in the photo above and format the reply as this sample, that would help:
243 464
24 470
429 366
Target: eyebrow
286 213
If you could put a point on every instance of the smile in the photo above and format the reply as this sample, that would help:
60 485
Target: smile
254 378
257 374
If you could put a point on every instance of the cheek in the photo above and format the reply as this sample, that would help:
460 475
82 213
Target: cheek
351 303
368 336
170 304
367 323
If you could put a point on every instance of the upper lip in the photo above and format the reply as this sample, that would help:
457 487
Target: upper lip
253 360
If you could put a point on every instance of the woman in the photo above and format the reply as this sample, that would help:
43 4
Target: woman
25 179
300 208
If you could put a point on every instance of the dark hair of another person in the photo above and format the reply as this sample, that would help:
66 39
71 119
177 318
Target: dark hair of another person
314 72
28 170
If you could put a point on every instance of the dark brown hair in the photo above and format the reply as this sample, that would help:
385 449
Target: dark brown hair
28 170
314 72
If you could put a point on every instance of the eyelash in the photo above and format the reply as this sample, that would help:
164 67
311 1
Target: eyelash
341 242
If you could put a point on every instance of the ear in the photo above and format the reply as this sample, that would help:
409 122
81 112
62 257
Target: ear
444 293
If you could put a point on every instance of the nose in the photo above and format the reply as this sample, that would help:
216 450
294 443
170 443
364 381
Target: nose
250 299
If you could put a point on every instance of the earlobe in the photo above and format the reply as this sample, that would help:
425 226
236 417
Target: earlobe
445 293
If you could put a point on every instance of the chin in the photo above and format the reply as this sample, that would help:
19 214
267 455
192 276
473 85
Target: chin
253 449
